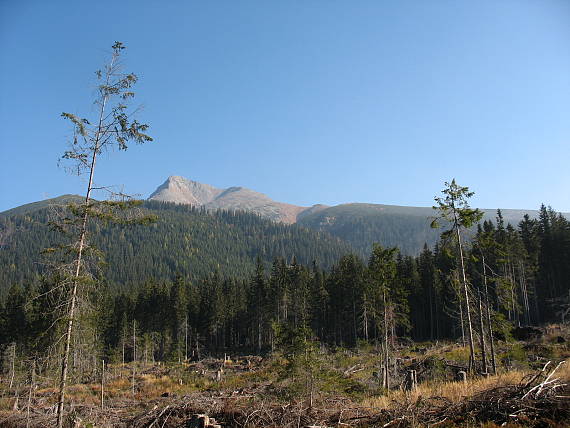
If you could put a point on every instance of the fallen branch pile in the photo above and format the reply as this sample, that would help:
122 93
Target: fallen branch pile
252 412
540 399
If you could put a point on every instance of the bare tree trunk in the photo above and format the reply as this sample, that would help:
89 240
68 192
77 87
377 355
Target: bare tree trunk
312 389
365 319
32 378
354 322
102 384
466 296
386 351
525 293
13 365
461 320
186 338
197 347
431 313
514 294
259 332
489 322
16 399
134 355
482 336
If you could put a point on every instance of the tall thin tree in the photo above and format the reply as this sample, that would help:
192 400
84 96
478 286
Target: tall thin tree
113 127
453 207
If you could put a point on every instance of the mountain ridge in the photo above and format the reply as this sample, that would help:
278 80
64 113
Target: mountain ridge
182 190
359 224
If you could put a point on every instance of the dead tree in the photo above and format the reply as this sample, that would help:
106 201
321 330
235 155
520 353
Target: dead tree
482 335
102 384
134 355
12 365
30 392
488 316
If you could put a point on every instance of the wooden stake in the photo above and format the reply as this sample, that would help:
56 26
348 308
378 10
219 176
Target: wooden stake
102 383
30 393
13 365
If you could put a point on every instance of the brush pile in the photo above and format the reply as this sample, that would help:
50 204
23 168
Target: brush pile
252 412
541 399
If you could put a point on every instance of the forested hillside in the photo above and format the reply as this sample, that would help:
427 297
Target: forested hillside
407 228
184 241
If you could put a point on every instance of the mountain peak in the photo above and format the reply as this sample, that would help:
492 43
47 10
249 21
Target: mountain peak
177 179
183 191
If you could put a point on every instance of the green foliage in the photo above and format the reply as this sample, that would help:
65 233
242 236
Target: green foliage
516 356
296 346
458 354
302 362
454 207
387 287
114 126
333 382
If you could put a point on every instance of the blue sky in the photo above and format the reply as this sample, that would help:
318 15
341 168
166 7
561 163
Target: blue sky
306 101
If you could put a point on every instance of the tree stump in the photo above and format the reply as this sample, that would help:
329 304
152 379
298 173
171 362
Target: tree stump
411 380
202 421
198 421
219 373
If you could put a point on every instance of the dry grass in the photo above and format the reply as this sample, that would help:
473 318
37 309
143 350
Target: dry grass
455 392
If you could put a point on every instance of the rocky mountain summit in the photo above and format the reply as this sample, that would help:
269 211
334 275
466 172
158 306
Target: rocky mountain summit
183 191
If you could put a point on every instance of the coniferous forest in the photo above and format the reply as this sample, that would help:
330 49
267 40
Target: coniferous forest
219 282
184 241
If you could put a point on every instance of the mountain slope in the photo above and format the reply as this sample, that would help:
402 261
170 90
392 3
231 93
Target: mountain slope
407 228
185 240
35 206
239 198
